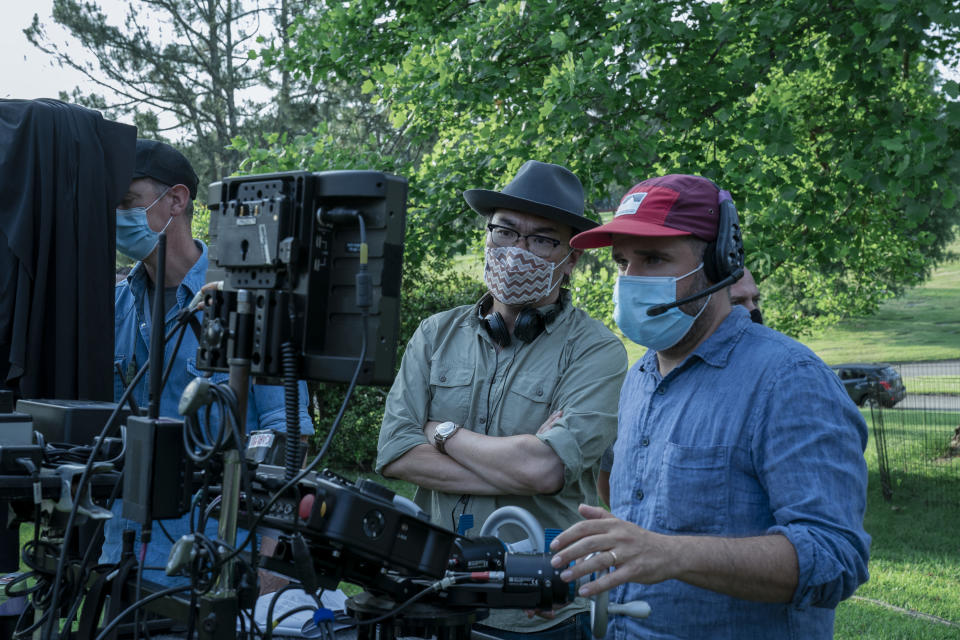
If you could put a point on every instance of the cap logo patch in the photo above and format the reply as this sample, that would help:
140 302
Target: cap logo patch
630 204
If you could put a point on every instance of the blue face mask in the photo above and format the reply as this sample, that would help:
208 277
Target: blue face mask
135 238
633 295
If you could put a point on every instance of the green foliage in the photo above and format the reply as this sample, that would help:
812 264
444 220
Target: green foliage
592 290
200 225
828 123
427 289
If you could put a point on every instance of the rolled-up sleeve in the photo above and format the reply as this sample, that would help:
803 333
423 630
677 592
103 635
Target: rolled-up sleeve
405 412
269 404
814 471
587 393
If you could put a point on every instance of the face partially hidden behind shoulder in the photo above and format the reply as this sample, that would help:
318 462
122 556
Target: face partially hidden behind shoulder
744 292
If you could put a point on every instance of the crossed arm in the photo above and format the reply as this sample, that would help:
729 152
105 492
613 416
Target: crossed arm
483 465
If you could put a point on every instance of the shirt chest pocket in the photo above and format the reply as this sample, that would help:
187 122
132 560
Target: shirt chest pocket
526 403
692 489
452 393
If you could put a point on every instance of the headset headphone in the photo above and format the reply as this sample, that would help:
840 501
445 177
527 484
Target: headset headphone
722 259
724 256
529 324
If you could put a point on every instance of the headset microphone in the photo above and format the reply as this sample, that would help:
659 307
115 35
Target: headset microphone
657 309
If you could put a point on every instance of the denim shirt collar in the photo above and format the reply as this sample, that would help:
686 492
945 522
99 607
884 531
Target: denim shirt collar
715 350
191 283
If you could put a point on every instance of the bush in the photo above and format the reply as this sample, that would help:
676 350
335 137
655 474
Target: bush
592 290
426 290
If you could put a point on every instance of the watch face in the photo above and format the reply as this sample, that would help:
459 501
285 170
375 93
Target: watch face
446 429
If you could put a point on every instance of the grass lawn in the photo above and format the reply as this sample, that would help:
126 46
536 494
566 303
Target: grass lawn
914 557
942 385
921 325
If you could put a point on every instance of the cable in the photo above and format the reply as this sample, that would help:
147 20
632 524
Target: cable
291 401
136 605
84 479
439 585
333 429
145 534
176 348
273 602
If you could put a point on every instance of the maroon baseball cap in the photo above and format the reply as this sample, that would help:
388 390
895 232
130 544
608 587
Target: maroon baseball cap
671 205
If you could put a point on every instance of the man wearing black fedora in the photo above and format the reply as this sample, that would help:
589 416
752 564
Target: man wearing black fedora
512 400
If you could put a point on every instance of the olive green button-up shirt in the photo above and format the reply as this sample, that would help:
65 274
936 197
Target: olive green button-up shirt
451 370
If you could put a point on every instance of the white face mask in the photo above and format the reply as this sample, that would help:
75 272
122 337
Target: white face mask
516 277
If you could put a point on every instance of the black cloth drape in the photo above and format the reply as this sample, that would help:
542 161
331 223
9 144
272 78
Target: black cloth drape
63 170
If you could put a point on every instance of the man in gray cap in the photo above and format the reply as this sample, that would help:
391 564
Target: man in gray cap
160 198
510 401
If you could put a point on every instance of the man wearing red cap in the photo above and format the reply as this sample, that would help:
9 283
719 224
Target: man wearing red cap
509 401
739 484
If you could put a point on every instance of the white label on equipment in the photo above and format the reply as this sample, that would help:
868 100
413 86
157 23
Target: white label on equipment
260 440
264 244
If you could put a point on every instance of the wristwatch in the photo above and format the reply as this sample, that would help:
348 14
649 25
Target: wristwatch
444 432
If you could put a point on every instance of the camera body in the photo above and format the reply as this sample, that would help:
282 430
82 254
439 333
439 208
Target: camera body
293 240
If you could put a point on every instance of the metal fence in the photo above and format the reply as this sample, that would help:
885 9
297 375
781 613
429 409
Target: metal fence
917 441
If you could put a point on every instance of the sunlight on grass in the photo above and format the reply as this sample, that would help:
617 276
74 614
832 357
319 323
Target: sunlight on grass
921 325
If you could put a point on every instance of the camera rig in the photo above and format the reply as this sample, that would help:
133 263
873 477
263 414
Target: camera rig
310 268
317 251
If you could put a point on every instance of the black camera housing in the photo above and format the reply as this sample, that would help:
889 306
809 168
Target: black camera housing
293 241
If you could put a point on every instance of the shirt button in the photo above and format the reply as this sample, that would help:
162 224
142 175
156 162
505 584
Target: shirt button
483 420
660 391
539 392
645 442
443 378
639 494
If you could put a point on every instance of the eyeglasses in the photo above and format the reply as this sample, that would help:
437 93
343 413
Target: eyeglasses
506 237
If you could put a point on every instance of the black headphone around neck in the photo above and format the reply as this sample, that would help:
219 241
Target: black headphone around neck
530 322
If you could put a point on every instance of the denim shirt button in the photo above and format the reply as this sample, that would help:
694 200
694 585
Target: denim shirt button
483 420
443 378
661 390
645 442
639 494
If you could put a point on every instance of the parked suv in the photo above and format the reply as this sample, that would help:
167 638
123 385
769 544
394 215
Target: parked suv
865 382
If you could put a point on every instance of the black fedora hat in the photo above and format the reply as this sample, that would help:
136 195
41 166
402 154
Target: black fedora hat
541 189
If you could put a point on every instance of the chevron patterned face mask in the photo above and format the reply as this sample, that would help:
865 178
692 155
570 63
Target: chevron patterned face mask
516 277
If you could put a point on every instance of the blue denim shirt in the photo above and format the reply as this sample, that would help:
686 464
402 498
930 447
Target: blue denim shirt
752 434
132 321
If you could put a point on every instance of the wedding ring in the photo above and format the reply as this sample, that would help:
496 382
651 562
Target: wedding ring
614 556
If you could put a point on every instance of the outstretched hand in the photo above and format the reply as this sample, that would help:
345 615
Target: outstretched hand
603 541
